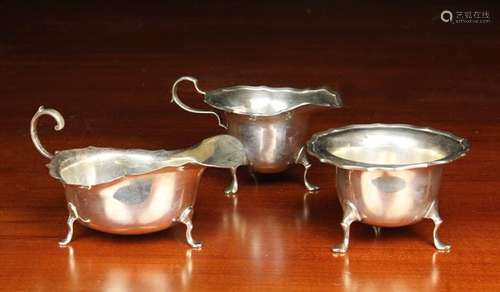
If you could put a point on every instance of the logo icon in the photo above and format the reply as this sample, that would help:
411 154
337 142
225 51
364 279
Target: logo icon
446 16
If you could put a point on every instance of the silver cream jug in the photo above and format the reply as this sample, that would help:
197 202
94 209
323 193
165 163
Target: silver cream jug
272 123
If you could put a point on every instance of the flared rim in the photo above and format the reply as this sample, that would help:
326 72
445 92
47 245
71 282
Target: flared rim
222 151
317 149
323 97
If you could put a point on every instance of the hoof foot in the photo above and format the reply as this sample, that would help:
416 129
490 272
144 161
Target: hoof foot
64 242
196 244
230 191
442 246
339 248
312 188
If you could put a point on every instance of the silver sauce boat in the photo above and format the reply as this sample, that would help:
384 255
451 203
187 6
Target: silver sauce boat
133 191
272 123
388 175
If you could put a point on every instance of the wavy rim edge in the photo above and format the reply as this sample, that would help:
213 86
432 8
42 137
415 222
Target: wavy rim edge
337 99
356 165
53 171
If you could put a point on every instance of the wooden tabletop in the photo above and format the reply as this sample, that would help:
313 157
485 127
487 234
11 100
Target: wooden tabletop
108 68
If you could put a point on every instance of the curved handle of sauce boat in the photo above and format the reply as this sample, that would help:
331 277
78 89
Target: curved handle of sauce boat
33 128
175 98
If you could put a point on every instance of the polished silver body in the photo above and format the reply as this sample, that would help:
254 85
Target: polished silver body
272 123
387 175
133 191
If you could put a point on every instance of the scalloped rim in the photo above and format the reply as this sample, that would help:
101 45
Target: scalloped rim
53 168
338 100
356 165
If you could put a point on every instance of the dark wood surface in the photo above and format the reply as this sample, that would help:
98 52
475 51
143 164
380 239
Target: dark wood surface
109 68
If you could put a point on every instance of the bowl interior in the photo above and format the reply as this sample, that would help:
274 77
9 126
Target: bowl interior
391 146
94 165
89 167
267 101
